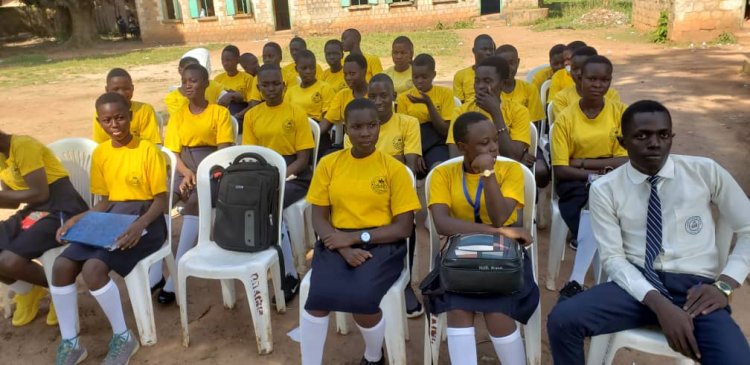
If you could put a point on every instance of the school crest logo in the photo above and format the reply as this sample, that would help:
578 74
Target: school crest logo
398 143
317 98
133 180
694 225
379 185
288 126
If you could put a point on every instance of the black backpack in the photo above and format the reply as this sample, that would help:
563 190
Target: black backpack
247 206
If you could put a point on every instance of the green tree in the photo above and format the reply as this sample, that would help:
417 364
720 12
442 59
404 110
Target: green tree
76 21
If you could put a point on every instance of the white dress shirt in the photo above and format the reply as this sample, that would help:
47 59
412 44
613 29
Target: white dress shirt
689 185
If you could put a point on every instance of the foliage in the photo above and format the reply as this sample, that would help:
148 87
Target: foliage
461 24
565 14
660 34
725 38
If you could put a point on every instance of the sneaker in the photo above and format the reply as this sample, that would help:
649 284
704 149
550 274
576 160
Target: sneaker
414 309
290 286
51 315
165 297
573 243
570 289
379 362
27 306
70 353
121 348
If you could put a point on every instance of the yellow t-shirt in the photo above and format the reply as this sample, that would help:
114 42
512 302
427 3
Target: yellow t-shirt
143 125
175 100
560 80
569 96
576 136
283 128
335 79
292 74
241 82
289 78
447 188
398 136
314 99
441 96
362 192
26 156
374 66
133 172
540 77
463 84
212 127
338 104
401 80
528 96
516 118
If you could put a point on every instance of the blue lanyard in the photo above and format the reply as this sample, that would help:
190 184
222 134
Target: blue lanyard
476 204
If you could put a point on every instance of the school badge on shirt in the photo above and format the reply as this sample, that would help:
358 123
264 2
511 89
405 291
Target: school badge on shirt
379 185
288 126
133 180
398 143
317 98
694 225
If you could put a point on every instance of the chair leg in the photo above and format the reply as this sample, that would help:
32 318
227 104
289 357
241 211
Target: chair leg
5 301
533 338
143 308
558 231
172 268
342 326
276 282
294 219
543 207
182 303
256 289
598 347
228 293
395 341
427 351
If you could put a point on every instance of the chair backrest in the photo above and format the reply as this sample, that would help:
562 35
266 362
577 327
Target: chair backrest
457 101
316 137
75 155
236 130
533 71
202 55
171 160
161 120
223 157
544 91
534 140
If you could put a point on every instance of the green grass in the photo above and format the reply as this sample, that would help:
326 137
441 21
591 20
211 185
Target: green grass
564 14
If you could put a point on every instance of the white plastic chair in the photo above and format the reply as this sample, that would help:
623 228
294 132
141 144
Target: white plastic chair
202 55
457 101
435 327
603 348
208 260
298 216
162 118
558 233
236 131
392 305
544 194
75 155
544 91
533 71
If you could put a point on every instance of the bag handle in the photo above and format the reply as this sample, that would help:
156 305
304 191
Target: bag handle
252 156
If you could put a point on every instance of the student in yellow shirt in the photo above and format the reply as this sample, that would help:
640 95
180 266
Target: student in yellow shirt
511 119
31 175
556 62
355 69
238 84
130 176
271 56
402 51
562 78
143 124
177 99
249 63
194 132
350 41
482 195
363 204
518 90
572 94
433 106
334 75
283 127
584 145
463 80
296 46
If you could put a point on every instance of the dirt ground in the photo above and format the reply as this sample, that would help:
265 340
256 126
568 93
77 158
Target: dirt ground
709 99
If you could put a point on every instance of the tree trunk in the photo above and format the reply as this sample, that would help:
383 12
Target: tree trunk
83 31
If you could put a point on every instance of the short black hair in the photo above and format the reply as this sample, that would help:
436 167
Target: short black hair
298 39
357 34
423 59
307 54
462 123
556 50
111 97
597 60
500 65
334 42
358 59
484 37
381 77
249 55
585 51
574 45
403 40
184 61
359 104
232 49
198 68
642 106
268 68
506 48
118 72
273 45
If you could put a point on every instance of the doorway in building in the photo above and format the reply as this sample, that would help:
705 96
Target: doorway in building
489 6
281 14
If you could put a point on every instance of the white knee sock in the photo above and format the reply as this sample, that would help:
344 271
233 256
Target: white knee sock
108 297
510 348
586 248
286 251
188 239
66 306
20 287
313 331
462 346
374 337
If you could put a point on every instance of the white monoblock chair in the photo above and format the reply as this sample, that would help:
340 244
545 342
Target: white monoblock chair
435 327
603 348
558 233
392 305
544 194
298 216
161 119
544 92
208 260
530 75
202 55
457 102
236 131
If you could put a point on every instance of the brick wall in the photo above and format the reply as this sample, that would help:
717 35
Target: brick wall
646 13
690 20
307 17
519 4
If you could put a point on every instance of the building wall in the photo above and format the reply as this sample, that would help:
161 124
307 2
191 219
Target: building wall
646 13
690 20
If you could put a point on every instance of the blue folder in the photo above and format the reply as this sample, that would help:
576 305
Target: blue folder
99 229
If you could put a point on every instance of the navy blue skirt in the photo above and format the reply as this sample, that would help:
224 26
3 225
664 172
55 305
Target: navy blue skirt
519 306
336 286
123 261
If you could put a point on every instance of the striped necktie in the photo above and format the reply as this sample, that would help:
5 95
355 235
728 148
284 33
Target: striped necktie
653 237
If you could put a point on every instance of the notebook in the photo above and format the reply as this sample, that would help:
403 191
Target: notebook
99 229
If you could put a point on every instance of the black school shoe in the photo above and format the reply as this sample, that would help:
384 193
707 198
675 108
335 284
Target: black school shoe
571 289
573 243
379 362
165 297
414 308
290 286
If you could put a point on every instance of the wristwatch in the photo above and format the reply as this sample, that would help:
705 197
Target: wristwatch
488 173
364 237
724 287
